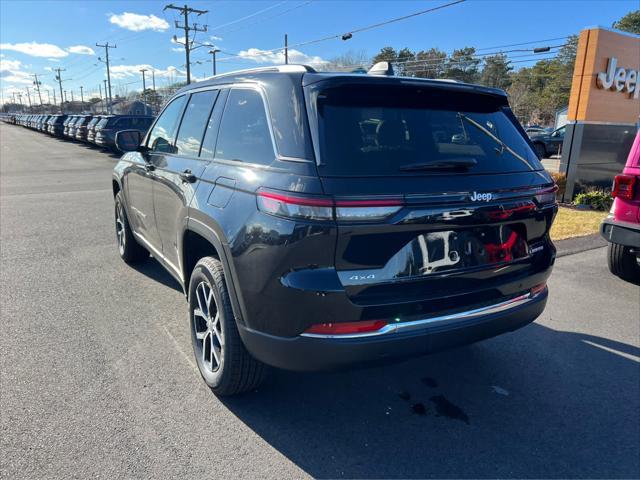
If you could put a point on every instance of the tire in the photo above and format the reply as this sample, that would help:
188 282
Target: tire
128 247
623 263
224 363
540 150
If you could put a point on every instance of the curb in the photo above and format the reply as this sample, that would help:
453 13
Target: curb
571 246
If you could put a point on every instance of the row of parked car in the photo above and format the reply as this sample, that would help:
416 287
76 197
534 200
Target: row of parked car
99 130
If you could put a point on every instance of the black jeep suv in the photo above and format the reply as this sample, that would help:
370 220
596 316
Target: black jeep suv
318 220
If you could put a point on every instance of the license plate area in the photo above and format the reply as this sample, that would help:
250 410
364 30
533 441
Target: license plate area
448 252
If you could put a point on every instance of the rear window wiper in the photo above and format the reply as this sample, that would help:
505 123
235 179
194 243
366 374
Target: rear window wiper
451 164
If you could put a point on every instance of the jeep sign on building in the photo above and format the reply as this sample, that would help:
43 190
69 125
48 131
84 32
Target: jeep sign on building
604 108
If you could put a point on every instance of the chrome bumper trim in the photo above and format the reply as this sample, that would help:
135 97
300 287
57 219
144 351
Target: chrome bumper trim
441 320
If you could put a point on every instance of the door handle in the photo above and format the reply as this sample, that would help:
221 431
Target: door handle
149 167
187 176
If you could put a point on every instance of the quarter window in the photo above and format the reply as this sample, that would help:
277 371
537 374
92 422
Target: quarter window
244 132
162 136
194 121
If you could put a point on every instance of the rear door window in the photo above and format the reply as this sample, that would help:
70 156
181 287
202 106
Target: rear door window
162 136
393 130
244 130
194 121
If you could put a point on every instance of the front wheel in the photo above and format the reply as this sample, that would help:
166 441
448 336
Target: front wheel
224 363
623 262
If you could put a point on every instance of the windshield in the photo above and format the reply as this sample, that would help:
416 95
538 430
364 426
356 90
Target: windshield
103 122
391 130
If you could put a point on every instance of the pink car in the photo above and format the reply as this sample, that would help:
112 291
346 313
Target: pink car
622 227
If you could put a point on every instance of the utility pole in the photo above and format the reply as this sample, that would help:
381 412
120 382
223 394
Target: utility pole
29 98
54 97
106 50
144 92
48 97
37 84
101 101
186 10
21 104
72 96
106 97
286 49
59 78
81 96
213 52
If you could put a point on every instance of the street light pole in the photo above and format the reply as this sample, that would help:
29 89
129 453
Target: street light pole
213 52
144 90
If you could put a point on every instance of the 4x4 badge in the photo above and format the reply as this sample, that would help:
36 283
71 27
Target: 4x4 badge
481 197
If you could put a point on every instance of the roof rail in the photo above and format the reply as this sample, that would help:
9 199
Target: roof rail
274 68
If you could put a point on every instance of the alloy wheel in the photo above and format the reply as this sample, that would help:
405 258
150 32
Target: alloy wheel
207 328
120 228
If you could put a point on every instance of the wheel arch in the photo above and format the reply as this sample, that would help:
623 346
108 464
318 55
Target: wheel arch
200 240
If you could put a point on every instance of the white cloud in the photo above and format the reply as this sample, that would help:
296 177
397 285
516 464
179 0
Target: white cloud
277 57
177 49
215 38
81 50
138 23
11 72
35 49
179 40
53 60
128 71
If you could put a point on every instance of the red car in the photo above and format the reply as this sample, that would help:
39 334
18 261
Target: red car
622 227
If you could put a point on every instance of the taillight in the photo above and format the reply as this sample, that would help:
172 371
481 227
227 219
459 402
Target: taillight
623 186
325 208
547 196
366 210
346 328
295 206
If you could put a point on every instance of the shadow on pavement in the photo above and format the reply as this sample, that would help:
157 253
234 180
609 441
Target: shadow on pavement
534 403
156 272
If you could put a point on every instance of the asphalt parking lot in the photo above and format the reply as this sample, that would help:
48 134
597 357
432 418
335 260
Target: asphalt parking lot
97 377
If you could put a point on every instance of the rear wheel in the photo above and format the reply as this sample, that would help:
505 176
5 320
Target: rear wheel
130 250
224 363
540 151
623 262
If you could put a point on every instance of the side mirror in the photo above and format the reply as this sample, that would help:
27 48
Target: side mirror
128 140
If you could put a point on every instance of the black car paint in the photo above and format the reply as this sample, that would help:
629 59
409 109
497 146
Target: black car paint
550 142
282 274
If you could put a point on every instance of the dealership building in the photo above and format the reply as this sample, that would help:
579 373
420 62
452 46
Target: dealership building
604 108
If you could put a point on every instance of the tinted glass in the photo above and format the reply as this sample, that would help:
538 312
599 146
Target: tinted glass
141 123
103 122
244 131
381 130
194 121
162 135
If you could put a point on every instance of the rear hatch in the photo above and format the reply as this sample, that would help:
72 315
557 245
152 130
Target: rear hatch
438 192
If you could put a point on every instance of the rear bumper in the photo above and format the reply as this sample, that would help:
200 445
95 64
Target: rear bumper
622 233
309 353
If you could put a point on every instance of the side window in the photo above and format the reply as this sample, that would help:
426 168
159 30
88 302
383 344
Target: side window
211 133
244 132
194 121
163 133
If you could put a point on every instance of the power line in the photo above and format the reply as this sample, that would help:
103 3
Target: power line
279 14
357 30
248 16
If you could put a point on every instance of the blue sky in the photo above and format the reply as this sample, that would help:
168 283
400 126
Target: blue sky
37 36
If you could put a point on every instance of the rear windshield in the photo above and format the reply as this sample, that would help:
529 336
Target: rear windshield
93 121
103 122
382 130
